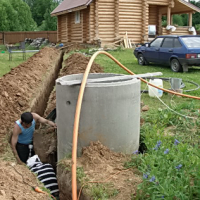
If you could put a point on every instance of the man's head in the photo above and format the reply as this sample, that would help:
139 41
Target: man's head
26 119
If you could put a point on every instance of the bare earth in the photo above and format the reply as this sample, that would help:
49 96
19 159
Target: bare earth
17 89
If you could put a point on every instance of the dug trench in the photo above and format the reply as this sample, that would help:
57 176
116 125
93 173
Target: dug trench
30 87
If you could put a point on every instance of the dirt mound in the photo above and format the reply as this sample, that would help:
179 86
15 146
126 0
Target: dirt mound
18 87
14 182
74 64
77 63
97 159
102 166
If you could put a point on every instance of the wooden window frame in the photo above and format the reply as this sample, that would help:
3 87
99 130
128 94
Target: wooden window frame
77 17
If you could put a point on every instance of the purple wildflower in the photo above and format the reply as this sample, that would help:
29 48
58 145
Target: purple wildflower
153 178
145 176
179 166
162 197
136 152
157 145
176 142
166 151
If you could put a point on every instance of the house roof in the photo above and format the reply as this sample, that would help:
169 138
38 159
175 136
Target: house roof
180 7
190 5
70 5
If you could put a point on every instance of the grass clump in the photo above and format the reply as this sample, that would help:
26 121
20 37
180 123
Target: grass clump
103 191
171 162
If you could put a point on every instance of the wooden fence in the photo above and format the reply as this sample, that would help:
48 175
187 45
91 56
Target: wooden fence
16 37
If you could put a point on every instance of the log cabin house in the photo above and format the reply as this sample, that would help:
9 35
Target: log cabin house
106 21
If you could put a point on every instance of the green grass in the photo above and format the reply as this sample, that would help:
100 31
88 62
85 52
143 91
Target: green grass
170 171
127 58
6 65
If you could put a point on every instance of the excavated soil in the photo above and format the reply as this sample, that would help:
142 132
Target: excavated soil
100 166
45 139
74 64
15 181
17 91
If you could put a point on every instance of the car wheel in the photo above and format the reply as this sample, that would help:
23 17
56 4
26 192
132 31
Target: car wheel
141 60
175 65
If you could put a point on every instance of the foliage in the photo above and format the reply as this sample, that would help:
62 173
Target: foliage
171 164
49 23
178 20
170 171
41 10
103 191
15 15
196 16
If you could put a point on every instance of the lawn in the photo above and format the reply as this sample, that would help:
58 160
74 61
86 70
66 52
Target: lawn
169 149
127 58
5 64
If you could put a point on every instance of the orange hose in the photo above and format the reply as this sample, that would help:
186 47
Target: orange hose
37 189
78 110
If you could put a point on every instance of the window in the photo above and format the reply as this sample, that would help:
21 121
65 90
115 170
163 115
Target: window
191 42
77 17
177 44
168 43
157 42
152 30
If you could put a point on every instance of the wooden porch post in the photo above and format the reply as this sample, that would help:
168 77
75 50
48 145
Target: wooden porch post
190 19
168 16
171 19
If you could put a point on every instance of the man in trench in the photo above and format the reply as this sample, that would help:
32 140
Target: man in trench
22 137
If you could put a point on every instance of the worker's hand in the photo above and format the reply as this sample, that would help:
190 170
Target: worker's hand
52 124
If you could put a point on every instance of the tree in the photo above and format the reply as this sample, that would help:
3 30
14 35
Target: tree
177 20
15 15
196 16
40 8
49 23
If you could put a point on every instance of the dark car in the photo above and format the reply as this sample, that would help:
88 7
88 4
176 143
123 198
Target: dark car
178 52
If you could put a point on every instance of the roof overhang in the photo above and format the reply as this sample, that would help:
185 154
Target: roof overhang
180 7
68 6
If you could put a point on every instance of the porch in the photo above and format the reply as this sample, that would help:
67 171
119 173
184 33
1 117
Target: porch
174 7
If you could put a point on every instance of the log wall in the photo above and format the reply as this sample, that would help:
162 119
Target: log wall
59 28
158 2
63 35
106 21
178 31
130 19
86 24
76 34
153 15
92 22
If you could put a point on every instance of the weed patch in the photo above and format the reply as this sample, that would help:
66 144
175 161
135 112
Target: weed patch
171 163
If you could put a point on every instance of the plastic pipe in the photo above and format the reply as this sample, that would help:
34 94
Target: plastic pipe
78 110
